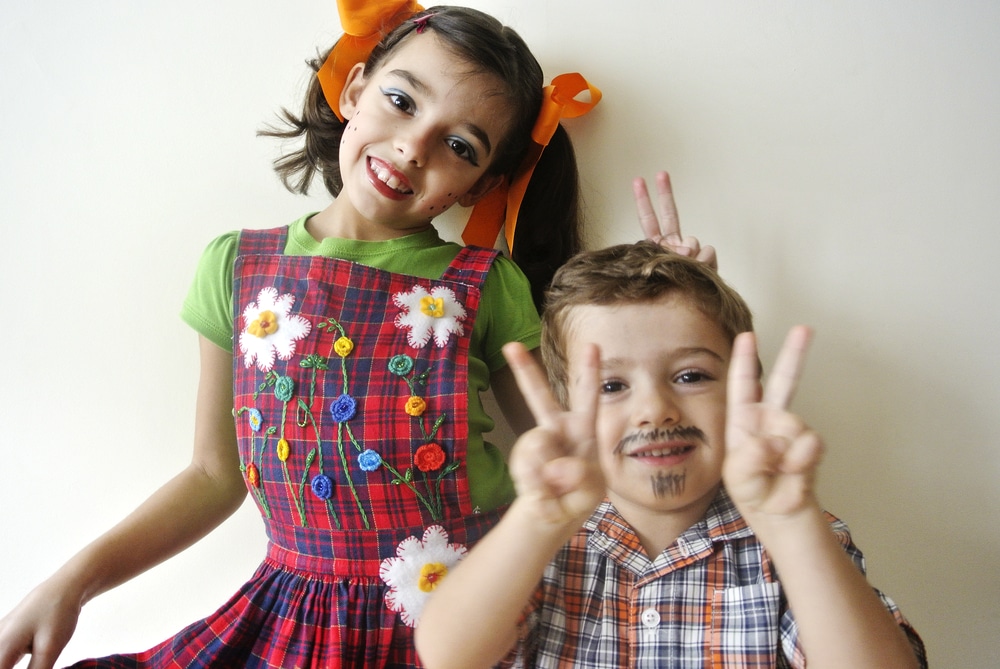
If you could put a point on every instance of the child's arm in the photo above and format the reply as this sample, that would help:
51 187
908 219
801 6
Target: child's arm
665 229
471 618
770 474
191 504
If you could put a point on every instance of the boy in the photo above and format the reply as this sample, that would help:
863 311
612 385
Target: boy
708 496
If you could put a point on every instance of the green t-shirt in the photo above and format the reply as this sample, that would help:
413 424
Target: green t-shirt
506 313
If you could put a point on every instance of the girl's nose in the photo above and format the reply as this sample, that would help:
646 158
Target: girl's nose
414 145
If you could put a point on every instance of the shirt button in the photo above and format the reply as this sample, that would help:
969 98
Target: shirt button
650 618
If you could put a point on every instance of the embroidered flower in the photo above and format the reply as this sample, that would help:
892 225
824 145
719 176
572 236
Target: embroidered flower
270 331
254 418
401 364
429 457
322 486
369 460
430 575
253 475
284 386
418 568
415 406
343 346
343 408
436 313
283 449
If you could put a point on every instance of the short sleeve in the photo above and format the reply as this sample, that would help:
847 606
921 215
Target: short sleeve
208 307
507 312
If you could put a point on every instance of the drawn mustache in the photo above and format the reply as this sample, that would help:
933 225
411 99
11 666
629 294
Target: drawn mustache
679 433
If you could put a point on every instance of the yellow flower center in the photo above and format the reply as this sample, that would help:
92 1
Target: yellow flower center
431 575
432 306
265 324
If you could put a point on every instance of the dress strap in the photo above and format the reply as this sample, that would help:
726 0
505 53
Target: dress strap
263 242
471 265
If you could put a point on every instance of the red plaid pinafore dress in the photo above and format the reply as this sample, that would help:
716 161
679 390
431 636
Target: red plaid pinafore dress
351 414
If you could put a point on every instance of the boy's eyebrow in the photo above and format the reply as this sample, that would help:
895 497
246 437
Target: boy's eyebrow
683 352
473 129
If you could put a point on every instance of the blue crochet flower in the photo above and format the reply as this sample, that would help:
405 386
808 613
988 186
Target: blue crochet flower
369 460
322 486
254 419
284 386
343 408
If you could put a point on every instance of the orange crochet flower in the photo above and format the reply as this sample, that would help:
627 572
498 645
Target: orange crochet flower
415 406
429 457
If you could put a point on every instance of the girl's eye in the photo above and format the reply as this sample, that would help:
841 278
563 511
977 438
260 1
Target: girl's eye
399 100
610 387
463 150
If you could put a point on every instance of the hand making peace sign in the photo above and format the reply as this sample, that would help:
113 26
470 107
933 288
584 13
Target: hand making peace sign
666 229
555 465
771 455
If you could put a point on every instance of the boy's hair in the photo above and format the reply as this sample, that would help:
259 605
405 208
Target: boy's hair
548 230
631 274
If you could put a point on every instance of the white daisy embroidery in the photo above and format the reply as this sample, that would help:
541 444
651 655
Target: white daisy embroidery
418 569
269 330
435 313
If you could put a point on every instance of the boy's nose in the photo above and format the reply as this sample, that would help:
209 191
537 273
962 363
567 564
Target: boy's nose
656 407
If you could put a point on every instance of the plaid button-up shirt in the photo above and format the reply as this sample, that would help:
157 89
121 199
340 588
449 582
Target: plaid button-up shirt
709 600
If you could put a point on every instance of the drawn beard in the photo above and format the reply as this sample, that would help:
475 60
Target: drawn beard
667 484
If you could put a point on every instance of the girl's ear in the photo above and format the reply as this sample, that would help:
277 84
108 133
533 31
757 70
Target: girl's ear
480 189
351 92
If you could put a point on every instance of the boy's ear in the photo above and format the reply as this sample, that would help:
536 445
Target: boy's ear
351 93
480 189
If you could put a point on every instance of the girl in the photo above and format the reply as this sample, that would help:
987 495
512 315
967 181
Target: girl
351 347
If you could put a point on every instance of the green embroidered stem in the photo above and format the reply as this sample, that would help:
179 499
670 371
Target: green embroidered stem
407 480
347 472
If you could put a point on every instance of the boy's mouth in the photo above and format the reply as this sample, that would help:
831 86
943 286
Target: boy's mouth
386 175
661 451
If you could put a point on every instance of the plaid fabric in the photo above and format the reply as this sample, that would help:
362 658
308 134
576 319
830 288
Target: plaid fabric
317 600
709 600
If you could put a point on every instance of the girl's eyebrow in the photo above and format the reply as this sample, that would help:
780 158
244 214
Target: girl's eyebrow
472 128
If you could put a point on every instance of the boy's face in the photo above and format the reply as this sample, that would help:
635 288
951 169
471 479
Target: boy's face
662 406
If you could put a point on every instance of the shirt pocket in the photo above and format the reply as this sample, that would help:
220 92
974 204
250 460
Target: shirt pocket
745 626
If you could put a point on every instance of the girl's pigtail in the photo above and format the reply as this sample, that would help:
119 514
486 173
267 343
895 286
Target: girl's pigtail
549 224
320 131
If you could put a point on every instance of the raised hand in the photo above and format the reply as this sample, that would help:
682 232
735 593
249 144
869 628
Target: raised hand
771 455
665 229
554 465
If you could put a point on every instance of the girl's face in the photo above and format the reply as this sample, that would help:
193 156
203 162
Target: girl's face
421 133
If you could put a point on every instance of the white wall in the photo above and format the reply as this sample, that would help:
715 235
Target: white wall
844 157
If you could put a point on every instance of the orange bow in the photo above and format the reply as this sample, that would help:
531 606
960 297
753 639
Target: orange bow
365 23
501 205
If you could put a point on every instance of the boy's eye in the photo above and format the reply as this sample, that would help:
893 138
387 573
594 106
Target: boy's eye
609 387
691 377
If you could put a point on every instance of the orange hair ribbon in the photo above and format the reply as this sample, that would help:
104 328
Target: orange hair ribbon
365 23
501 205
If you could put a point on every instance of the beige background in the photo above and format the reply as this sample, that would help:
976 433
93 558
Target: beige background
843 157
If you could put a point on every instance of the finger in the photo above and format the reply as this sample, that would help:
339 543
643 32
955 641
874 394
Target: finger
644 208
670 223
708 256
532 382
583 397
784 378
743 382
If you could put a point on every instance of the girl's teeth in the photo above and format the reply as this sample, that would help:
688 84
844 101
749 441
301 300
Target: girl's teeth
389 180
